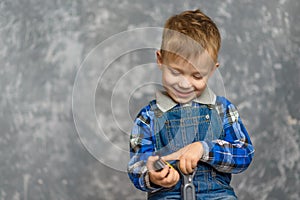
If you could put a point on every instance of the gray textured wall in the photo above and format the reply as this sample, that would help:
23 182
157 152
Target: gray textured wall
43 44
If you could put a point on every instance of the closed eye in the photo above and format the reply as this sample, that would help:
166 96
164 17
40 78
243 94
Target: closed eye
197 76
175 72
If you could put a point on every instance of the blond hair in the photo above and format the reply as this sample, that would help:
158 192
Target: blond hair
188 34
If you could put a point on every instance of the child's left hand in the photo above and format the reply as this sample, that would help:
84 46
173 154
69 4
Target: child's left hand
188 157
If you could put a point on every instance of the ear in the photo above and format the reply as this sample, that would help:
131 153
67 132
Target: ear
214 69
158 58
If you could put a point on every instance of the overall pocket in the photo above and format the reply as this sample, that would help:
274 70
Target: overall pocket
222 180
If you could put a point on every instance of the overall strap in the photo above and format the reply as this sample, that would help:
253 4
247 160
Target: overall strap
153 107
157 114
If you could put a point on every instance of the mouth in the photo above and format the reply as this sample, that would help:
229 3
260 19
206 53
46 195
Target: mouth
183 94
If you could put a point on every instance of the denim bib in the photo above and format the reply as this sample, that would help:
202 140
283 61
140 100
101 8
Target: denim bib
183 125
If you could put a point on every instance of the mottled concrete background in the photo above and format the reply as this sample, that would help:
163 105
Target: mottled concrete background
43 44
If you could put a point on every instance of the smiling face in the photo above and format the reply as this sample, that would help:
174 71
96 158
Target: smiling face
182 80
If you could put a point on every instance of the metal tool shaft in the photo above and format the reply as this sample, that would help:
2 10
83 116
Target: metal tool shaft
187 187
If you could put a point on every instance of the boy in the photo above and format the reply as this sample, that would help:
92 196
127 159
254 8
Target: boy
198 132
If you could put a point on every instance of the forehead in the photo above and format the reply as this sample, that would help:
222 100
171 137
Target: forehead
194 64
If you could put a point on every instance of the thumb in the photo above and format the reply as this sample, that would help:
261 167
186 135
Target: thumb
150 162
172 156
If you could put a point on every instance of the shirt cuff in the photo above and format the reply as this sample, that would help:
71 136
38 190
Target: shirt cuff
150 186
205 155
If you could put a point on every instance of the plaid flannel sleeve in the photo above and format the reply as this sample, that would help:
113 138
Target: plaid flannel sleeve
234 153
141 147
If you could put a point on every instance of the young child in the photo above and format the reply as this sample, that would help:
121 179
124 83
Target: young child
187 124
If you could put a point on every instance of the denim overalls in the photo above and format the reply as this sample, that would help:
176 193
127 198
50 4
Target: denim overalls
181 126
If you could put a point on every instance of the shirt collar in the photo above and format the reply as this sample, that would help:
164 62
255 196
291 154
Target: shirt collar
165 102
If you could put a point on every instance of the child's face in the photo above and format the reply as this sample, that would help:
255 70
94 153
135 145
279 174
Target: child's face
184 82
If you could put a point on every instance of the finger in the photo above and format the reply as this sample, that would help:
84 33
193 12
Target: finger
150 162
188 166
194 164
158 176
172 156
153 158
164 172
182 166
171 179
175 175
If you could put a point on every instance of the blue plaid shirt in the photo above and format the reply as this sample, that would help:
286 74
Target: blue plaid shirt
233 154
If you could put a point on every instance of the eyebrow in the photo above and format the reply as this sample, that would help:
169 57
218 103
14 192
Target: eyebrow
193 73
175 68
203 73
196 73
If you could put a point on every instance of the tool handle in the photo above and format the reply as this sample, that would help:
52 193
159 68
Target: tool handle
187 187
188 192
159 165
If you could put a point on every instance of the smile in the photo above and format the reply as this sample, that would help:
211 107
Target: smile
183 94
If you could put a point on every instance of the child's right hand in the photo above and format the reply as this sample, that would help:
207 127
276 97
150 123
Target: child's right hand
188 157
167 177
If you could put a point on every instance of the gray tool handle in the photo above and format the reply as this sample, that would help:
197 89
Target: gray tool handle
159 165
187 188
188 192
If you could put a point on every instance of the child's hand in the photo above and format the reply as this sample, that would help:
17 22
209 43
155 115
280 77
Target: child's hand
167 177
188 157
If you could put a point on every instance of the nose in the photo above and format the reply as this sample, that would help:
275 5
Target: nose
184 83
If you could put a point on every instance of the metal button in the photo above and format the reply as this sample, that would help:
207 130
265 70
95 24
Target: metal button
207 116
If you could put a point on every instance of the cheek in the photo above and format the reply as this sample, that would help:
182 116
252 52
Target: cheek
169 80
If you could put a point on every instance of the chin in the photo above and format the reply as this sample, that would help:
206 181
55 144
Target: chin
182 100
